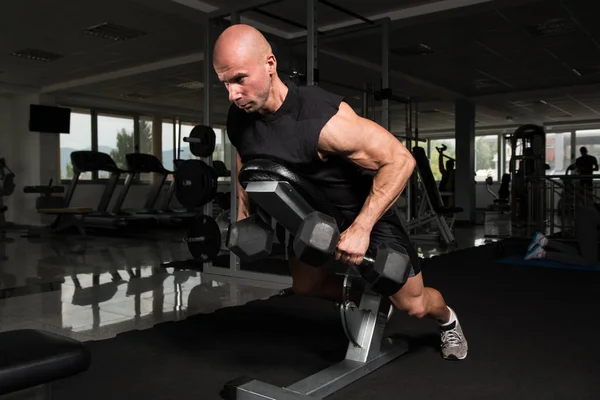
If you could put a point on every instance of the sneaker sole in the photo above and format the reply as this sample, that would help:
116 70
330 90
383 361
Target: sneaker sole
454 358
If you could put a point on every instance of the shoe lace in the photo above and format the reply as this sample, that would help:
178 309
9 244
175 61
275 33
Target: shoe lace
451 338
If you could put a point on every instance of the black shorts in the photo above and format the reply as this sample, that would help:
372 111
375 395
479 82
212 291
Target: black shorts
388 230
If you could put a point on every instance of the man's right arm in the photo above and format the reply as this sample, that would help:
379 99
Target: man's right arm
243 210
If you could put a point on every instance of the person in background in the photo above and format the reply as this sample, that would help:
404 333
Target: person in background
587 225
586 165
448 179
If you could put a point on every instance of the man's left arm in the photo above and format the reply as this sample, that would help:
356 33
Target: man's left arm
369 145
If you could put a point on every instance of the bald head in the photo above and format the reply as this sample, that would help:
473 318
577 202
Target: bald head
242 42
244 62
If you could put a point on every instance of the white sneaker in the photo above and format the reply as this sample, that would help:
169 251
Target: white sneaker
535 253
454 344
538 238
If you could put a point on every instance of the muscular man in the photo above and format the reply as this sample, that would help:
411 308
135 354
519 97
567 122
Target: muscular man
317 135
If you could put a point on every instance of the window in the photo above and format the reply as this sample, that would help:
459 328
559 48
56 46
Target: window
168 144
115 137
219 153
590 139
434 157
145 140
80 138
486 157
558 152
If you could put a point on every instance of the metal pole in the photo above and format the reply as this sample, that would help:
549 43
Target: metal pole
207 209
312 51
501 157
234 261
175 150
372 96
409 187
365 101
385 71
416 122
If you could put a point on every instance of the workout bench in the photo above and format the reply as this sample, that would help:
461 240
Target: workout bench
292 200
30 360
65 217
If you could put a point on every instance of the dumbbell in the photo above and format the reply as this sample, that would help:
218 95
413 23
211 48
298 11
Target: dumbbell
250 238
316 242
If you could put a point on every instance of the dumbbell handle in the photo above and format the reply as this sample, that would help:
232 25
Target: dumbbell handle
192 140
367 262
194 239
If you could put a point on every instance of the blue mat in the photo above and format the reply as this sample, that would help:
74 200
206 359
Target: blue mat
518 260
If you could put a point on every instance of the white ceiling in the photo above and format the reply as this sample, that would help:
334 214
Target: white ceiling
521 61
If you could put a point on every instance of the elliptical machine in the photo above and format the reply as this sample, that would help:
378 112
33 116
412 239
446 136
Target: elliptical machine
527 191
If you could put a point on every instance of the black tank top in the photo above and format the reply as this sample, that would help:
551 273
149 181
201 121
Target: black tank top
290 137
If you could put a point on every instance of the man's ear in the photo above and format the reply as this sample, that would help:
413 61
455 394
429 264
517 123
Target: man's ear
271 64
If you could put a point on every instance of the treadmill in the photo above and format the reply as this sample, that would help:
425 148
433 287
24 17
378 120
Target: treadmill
166 201
139 163
90 161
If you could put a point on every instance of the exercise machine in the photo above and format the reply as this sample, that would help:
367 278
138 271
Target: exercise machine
497 222
139 163
448 194
527 166
95 161
315 223
431 208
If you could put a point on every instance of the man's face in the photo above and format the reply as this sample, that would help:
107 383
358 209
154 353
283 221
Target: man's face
247 80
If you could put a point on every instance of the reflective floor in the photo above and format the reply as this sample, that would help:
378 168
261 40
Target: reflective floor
96 288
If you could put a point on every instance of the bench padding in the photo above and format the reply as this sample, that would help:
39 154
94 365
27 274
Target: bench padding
30 358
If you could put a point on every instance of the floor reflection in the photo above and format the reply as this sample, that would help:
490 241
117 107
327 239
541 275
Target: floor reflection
95 289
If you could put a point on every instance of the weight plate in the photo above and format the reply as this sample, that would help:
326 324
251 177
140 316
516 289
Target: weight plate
207 143
214 184
210 182
204 238
193 184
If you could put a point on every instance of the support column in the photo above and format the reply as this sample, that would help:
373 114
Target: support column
465 160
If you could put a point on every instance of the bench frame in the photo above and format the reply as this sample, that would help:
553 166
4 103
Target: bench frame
364 325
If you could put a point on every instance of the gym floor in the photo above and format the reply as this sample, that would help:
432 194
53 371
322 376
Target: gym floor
96 288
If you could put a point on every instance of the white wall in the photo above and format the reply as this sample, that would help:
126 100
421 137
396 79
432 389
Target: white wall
21 149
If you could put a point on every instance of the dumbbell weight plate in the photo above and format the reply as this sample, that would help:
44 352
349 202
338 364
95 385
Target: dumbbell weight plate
204 238
207 141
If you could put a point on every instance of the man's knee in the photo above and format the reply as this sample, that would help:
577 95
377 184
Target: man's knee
416 307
